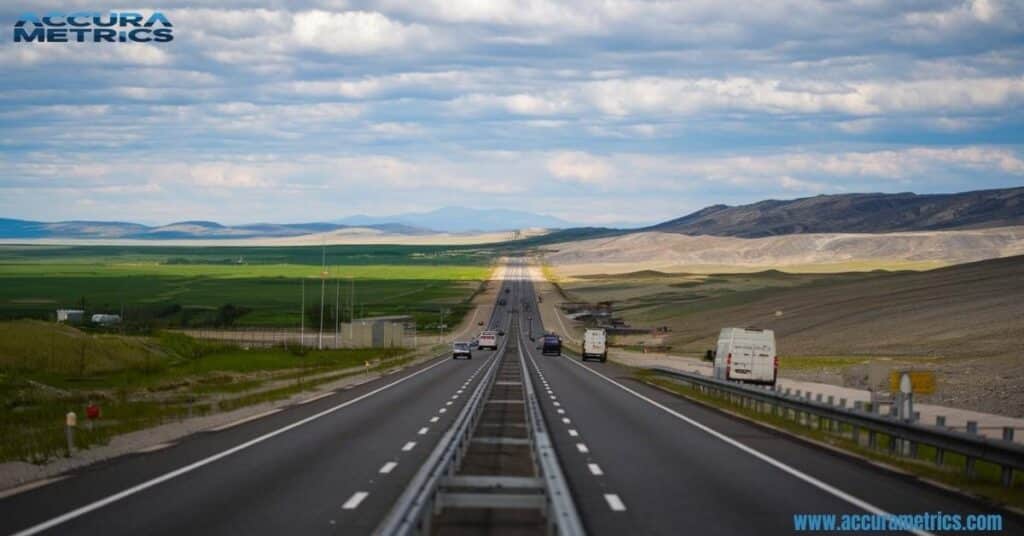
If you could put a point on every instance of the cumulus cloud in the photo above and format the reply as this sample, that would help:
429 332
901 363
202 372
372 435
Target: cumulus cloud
357 32
434 102
579 167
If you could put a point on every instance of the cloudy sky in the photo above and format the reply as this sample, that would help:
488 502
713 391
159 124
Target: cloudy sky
613 112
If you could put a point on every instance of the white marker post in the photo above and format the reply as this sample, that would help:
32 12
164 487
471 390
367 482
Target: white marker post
70 422
907 398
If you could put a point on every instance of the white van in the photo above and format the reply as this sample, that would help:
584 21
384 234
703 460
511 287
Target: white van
595 345
747 355
488 340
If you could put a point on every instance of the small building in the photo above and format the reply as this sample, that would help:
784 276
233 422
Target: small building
106 320
71 316
382 331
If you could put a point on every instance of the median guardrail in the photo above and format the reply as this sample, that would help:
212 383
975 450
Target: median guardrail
905 436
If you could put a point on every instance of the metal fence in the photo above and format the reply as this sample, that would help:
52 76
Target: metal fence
866 425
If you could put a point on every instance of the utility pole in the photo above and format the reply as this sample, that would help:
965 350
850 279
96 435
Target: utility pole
352 310
337 310
323 282
302 317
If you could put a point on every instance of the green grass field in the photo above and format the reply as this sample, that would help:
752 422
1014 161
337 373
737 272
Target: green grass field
48 369
173 286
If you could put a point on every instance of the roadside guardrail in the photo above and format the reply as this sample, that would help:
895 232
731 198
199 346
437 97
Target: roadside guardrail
863 424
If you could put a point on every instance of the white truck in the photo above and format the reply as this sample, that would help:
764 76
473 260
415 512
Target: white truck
747 355
488 340
595 345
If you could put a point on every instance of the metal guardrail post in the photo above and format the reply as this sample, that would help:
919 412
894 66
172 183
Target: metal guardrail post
940 454
969 462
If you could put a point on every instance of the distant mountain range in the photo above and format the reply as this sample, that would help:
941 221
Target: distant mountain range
856 213
10 228
443 220
847 213
464 220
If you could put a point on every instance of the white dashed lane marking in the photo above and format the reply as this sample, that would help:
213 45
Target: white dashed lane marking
434 419
595 469
423 431
353 502
573 433
408 446
614 502
582 448
387 467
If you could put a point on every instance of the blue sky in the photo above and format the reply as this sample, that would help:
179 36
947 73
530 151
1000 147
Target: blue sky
612 112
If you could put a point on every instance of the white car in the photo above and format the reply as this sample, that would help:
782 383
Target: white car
461 349
747 355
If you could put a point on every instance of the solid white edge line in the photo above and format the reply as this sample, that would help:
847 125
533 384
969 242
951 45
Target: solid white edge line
827 488
96 505
353 502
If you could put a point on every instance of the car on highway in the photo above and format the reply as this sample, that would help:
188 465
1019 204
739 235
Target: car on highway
488 340
746 355
461 349
551 345
595 345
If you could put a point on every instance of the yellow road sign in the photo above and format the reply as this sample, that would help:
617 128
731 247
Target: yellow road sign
922 382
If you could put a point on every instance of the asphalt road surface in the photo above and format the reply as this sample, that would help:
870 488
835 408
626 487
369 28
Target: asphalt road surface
638 461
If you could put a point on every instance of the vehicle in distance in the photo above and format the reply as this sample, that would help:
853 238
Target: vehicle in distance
461 349
551 345
488 340
746 355
595 345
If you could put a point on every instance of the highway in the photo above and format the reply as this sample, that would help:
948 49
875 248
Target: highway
637 460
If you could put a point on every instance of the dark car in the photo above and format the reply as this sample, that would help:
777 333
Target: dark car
551 345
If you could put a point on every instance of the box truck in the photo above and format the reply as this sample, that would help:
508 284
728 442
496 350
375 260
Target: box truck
747 355
595 345
488 340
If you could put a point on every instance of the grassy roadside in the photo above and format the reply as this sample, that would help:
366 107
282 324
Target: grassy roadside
984 485
140 382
